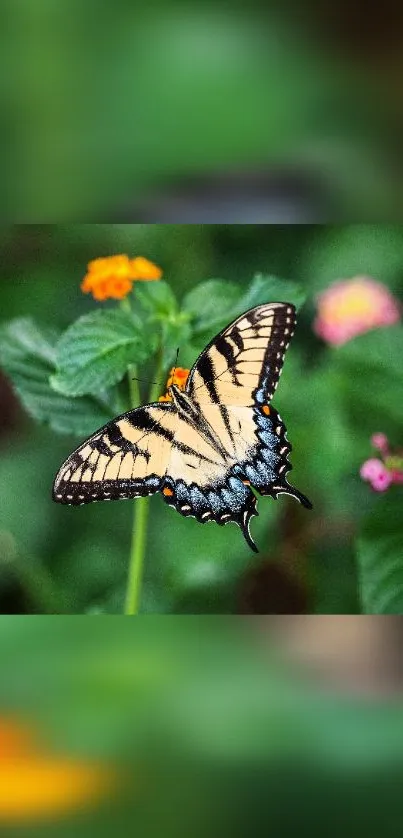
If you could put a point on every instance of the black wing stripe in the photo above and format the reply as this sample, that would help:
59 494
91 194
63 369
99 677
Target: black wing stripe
145 422
235 335
207 372
117 438
225 349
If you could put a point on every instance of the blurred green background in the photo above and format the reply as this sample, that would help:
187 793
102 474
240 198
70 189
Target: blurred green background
344 557
274 112
215 727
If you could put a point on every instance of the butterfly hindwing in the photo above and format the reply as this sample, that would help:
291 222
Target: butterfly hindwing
222 498
263 457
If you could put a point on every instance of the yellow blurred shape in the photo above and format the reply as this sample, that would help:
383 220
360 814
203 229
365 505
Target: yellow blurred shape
36 786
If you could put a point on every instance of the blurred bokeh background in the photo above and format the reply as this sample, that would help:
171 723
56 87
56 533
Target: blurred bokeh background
198 113
343 557
206 726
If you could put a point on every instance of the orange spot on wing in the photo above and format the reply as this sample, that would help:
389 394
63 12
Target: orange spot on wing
168 492
266 409
246 482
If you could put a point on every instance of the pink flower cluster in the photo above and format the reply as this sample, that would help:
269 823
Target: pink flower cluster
381 473
352 307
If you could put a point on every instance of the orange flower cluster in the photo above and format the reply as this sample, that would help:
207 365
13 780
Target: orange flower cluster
35 786
112 277
178 376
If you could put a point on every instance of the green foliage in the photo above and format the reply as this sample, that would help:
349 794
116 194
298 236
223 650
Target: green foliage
371 377
211 301
157 299
206 727
214 303
271 289
161 318
380 556
96 351
29 358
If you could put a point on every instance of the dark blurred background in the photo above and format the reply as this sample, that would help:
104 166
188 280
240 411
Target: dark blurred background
178 113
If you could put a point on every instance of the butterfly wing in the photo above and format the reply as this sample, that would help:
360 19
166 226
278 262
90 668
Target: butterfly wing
242 365
200 484
262 452
232 383
155 449
125 459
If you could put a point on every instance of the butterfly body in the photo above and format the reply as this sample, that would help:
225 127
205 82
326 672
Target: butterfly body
205 449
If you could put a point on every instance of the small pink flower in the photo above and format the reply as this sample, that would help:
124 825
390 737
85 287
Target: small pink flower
372 469
377 474
352 307
382 481
380 442
381 473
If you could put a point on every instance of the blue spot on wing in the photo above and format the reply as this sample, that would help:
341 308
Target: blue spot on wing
261 468
261 392
197 498
215 502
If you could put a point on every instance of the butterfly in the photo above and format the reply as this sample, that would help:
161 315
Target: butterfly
204 450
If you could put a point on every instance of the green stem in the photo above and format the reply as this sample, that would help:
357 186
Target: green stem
141 509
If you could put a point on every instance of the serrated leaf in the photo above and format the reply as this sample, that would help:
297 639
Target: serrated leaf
97 349
272 289
219 302
210 302
155 298
28 355
380 555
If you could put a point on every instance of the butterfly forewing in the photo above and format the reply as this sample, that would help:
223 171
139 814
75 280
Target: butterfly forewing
243 363
126 458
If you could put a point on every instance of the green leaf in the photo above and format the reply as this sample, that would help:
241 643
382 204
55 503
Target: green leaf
28 357
216 303
380 555
176 333
155 298
272 289
158 307
96 351
210 302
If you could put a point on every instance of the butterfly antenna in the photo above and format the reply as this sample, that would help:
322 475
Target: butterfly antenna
146 381
176 360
